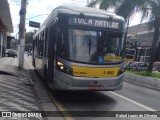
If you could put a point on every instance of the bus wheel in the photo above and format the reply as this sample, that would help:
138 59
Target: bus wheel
33 63
52 86
48 81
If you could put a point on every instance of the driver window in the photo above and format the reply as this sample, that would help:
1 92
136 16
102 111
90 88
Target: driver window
105 44
62 45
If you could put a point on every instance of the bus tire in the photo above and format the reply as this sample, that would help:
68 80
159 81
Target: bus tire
33 62
49 83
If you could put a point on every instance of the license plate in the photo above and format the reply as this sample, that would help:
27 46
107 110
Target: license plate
95 87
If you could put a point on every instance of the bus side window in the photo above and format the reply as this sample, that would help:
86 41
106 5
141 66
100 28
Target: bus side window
62 44
53 36
38 45
36 42
42 43
46 43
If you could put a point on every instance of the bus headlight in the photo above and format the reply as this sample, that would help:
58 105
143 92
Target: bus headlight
121 71
63 68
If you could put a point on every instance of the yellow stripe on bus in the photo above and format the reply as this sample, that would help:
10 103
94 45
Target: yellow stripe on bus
95 72
129 60
112 58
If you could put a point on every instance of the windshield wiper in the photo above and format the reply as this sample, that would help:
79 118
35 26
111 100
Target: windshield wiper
89 43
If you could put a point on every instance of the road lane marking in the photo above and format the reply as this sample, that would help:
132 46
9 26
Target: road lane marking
61 108
132 101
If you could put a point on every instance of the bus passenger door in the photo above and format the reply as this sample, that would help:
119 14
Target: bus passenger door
51 55
33 54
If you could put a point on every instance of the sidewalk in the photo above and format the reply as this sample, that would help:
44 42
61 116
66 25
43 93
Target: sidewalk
16 92
19 93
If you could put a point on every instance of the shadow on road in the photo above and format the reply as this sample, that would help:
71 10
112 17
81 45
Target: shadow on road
85 99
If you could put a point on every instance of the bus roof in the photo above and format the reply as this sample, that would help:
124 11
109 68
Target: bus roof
85 10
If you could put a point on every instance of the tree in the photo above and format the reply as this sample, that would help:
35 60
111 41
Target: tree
29 40
126 8
29 37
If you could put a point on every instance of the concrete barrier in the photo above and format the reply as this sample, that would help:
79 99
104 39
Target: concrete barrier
148 82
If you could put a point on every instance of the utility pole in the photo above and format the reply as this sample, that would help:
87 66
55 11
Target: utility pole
21 45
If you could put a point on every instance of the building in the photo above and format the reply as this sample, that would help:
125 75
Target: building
6 27
139 38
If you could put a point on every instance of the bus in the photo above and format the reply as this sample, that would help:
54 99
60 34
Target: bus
130 54
80 48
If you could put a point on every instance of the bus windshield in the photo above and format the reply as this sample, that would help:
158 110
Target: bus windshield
91 46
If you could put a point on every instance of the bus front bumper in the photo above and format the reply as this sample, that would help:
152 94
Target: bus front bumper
67 82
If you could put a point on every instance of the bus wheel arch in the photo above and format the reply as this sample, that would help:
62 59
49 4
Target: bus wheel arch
47 80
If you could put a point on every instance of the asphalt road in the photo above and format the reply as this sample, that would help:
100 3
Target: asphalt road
130 98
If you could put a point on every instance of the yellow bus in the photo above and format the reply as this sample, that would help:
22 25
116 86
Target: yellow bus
81 49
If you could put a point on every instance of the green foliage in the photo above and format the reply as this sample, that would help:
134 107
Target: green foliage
126 8
29 37
145 73
91 4
29 40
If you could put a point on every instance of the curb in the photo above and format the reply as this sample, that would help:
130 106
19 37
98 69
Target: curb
148 82
29 77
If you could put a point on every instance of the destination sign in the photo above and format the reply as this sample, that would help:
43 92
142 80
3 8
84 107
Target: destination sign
94 23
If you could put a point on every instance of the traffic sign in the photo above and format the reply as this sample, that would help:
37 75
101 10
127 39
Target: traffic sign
34 24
